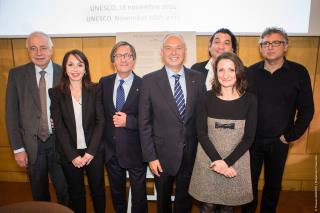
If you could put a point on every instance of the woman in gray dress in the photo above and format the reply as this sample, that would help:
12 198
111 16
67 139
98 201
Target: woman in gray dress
226 123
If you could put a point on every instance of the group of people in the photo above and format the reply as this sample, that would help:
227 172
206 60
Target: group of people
207 130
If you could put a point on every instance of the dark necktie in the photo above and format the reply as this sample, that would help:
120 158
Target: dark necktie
178 95
43 132
120 97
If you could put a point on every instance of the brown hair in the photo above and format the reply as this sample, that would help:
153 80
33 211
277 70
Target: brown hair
64 81
241 82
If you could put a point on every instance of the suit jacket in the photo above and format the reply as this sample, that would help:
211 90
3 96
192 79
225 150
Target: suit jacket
201 67
163 134
121 142
65 125
23 108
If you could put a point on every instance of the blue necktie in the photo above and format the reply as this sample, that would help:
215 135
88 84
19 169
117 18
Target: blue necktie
120 97
178 95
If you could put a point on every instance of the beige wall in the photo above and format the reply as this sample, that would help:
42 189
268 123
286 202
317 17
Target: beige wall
300 169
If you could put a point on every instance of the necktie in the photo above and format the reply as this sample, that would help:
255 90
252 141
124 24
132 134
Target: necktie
43 132
178 95
120 97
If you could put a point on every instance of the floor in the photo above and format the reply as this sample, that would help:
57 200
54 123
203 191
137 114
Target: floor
290 201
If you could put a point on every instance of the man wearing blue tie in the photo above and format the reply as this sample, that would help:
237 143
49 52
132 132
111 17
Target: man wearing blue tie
167 108
120 95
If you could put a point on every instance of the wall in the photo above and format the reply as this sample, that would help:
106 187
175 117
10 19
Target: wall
300 169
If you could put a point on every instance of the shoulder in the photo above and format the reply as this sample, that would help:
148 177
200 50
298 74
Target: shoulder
153 75
255 66
296 67
194 74
56 66
199 65
20 69
250 98
108 78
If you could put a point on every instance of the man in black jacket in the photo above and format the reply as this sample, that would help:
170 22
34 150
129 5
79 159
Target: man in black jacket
285 110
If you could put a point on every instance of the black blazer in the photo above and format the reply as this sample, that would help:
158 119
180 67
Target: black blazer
122 142
62 114
201 67
163 134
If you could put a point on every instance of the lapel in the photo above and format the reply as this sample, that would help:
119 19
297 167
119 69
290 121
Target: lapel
56 75
86 103
191 92
165 91
70 112
109 94
31 81
133 92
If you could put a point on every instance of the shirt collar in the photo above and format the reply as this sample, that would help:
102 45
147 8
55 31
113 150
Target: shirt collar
48 69
209 65
285 65
129 78
170 73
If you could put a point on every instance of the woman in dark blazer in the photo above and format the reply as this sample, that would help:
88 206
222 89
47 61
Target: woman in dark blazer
78 118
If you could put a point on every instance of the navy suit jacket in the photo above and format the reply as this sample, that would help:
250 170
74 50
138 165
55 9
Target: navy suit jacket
122 142
164 136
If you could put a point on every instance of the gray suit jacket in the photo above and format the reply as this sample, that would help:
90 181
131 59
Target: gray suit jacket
163 134
23 108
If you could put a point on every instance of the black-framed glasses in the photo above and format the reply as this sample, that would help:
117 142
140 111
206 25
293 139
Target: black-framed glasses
125 56
276 43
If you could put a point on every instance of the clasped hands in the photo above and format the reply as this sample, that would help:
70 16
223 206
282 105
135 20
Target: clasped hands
82 161
222 168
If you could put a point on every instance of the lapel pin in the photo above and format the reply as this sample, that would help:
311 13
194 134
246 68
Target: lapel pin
137 89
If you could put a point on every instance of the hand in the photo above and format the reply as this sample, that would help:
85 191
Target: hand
119 119
87 158
283 139
219 166
155 167
21 159
230 172
78 162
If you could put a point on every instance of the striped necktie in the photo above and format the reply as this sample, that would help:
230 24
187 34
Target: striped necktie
120 97
178 95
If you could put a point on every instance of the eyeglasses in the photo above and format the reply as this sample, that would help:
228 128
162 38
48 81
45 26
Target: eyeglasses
35 49
273 43
125 56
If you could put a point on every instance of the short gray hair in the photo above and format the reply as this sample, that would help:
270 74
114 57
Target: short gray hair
39 33
271 30
177 35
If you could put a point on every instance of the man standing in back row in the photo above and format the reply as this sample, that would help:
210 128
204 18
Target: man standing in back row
285 110
167 107
28 118
223 40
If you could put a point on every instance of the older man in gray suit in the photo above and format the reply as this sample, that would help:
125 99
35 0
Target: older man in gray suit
28 118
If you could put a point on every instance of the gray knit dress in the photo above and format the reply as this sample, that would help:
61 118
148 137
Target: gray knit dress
224 125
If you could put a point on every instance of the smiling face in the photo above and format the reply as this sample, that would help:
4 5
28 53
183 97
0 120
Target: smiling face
123 61
39 50
75 68
226 73
173 53
221 43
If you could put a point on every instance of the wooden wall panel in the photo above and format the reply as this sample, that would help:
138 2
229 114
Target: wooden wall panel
6 62
63 45
98 52
248 50
313 145
20 53
202 48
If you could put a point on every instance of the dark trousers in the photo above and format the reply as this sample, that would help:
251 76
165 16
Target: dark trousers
117 180
164 186
273 153
47 163
75 179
